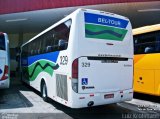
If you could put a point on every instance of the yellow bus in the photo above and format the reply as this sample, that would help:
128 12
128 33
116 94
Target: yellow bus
147 60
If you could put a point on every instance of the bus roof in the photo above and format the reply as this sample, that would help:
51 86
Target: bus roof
146 29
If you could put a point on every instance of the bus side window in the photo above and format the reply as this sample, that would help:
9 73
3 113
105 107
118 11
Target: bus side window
2 42
62 44
62 35
49 48
144 45
54 40
49 41
157 43
56 44
148 50
39 45
43 47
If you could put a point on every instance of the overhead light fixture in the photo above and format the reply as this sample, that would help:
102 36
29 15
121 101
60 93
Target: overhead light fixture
148 10
16 20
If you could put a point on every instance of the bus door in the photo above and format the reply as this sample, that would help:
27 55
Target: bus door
146 61
101 74
144 80
146 73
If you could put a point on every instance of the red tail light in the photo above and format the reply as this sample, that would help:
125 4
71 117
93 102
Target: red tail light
75 69
5 74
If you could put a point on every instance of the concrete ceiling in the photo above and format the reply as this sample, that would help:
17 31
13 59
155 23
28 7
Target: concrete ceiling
140 14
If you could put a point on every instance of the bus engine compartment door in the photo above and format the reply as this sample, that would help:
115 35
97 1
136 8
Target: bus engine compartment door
100 74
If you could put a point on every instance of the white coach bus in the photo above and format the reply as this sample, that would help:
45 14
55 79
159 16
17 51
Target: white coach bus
85 59
4 61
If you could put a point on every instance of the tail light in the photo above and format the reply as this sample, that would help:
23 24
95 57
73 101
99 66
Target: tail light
75 75
75 69
5 74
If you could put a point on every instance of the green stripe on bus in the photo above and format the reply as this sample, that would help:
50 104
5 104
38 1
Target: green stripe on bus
34 70
104 32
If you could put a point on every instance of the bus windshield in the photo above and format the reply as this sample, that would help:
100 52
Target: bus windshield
2 42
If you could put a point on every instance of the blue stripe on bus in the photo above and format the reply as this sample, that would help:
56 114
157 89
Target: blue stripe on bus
105 20
52 56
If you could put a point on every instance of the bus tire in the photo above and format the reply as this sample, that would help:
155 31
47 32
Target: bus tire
44 91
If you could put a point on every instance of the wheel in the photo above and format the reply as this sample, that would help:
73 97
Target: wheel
44 92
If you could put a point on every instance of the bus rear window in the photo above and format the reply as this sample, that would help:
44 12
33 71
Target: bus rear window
2 42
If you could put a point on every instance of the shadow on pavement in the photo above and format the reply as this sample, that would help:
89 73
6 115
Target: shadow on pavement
146 97
12 97
97 112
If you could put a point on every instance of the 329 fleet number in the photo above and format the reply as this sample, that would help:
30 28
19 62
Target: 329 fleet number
64 60
86 64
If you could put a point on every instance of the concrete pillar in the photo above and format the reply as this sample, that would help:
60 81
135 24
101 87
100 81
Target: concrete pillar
13 43
20 42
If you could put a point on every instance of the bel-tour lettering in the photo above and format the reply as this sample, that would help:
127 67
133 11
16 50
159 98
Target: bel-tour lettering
109 21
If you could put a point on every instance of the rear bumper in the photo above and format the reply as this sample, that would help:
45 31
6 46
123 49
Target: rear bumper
4 84
82 100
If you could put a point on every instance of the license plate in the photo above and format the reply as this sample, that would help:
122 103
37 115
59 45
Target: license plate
109 96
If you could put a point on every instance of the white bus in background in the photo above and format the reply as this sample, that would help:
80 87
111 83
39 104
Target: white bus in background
4 61
85 59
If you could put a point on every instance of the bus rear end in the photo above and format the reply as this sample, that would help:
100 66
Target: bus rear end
4 61
102 69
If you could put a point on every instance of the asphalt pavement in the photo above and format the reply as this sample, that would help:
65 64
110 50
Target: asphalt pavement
21 101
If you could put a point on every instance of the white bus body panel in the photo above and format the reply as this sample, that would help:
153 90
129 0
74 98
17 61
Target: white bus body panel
107 76
4 60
